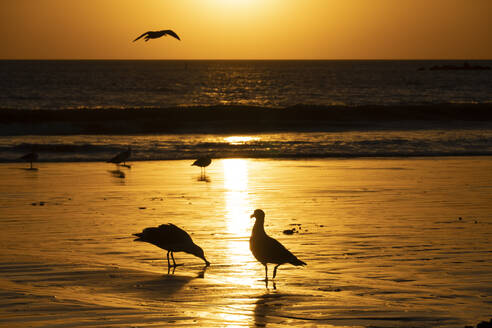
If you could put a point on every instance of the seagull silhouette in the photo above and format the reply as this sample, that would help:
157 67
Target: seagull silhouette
30 157
157 34
202 162
268 250
121 157
173 239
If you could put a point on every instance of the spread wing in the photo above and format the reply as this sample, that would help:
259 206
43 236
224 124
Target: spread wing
171 33
141 36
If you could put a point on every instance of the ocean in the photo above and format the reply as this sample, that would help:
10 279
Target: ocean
70 110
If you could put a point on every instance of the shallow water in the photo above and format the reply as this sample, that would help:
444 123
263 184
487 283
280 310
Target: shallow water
461 141
383 240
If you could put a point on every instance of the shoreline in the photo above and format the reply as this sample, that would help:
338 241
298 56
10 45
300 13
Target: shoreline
277 158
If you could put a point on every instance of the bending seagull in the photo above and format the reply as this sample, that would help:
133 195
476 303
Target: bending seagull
202 162
121 157
268 250
157 34
173 239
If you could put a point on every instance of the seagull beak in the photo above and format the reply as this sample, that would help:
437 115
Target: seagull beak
252 215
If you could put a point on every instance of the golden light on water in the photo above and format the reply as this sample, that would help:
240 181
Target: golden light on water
238 140
238 222
236 196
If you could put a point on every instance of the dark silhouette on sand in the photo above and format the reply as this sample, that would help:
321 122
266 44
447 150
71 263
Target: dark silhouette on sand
202 162
30 157
157 34
268 250
121 158
173 239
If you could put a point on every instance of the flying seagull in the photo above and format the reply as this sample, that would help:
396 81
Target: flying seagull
157 34
172 239
268 250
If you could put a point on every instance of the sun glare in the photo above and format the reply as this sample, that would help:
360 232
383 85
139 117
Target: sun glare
238 211
234 4
236 196
238 140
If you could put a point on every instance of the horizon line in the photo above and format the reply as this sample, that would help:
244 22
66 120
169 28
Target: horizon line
244 59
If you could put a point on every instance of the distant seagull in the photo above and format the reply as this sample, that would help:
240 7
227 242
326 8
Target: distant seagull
31 157
121 157
202 162
268 250
157 34
173 239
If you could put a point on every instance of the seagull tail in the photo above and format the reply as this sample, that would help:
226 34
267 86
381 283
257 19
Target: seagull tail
298 262
139 235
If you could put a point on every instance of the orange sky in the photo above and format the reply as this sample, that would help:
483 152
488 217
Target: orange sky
247 29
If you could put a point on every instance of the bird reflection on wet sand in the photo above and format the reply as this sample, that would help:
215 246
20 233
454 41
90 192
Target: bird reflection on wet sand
203 178
117 173
265 306
201 274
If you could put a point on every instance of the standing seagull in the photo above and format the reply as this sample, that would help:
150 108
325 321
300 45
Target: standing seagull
173 239
202 162
31 157
268 250
157 34
121 157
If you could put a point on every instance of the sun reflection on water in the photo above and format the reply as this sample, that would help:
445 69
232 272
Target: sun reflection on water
239 140
236 194
238 210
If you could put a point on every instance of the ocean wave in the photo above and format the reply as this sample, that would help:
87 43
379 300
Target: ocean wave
463 142
241 119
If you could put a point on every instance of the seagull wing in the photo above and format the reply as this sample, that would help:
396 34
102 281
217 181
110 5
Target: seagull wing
174 234
141 36
30 157
171 33
277 253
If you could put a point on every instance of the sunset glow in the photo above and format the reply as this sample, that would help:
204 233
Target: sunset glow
247 29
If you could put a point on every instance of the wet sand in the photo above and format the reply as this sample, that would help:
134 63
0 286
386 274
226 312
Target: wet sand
388 242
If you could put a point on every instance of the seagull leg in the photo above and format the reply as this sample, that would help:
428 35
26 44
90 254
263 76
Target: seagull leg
275 270
174 262
266 272
168 264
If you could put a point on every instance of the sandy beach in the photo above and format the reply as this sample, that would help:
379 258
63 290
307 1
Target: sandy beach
393 242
